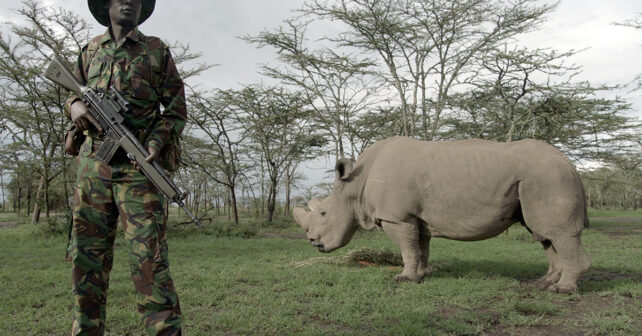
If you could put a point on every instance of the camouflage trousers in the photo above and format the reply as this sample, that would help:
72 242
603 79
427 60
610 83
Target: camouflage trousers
104 193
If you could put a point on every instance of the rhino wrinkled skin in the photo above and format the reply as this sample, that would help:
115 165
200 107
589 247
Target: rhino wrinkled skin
462 190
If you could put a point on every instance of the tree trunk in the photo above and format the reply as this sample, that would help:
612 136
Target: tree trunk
46 192
228 205
17 202
234 204
262 189
2 190
271 199
29 191
35 217
288 181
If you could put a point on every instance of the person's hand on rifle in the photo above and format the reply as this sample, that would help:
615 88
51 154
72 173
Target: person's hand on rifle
81 118
153 155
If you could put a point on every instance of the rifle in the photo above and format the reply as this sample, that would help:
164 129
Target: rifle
106 109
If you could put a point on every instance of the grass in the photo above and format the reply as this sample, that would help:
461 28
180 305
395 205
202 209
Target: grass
601 213
240 280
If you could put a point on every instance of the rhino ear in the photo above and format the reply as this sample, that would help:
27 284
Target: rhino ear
343 168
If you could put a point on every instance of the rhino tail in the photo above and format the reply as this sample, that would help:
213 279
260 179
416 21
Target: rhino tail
586 218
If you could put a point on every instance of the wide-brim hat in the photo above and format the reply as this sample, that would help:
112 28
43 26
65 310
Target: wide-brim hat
98 10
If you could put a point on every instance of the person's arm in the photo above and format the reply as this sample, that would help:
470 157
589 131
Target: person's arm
74 108
172 97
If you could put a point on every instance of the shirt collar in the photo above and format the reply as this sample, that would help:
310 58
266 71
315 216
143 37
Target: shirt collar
134 35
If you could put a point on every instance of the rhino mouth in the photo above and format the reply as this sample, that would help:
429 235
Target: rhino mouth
319 246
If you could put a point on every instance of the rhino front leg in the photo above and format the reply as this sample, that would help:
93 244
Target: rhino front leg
406 237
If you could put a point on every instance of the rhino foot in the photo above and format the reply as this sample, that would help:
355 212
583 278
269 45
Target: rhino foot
543 283
423 275
563 289
403 278
427 271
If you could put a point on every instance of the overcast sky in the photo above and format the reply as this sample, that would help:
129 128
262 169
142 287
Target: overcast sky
614 54
212 27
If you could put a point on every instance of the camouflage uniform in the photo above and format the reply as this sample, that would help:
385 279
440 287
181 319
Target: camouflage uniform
142 69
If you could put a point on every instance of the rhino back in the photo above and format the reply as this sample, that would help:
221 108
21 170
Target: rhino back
461 189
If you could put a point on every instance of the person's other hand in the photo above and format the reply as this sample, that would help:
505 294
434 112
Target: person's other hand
81 118
153 155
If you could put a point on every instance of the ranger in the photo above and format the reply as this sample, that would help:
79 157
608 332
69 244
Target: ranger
141 68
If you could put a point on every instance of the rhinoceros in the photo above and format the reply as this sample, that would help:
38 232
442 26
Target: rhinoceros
463 190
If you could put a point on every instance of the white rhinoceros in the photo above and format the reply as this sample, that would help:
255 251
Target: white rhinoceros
461 190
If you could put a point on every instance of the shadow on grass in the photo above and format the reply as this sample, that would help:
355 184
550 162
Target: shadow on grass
487 268
595 280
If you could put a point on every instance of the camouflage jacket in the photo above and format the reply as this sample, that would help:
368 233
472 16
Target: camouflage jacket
142 69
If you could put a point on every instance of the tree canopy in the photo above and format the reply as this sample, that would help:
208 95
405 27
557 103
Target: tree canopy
430 69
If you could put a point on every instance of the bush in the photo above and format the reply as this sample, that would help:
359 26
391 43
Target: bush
54 226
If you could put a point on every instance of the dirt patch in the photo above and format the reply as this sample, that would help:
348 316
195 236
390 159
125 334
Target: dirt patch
617 219
618 230
617 226
537 330
574 321
602 275
8 225
592 304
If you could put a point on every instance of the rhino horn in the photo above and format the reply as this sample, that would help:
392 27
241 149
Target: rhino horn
314 203
300 216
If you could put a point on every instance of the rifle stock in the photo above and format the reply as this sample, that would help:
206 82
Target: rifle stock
58 73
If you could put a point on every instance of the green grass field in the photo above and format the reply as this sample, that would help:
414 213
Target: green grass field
262 280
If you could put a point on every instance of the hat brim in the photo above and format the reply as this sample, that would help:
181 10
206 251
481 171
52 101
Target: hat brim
101 14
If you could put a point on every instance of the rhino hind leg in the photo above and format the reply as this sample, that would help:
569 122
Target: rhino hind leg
558 220
424 246
554 269
574 262
406 236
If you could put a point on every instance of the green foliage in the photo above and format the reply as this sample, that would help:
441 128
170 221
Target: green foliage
31 107
618 187
451 66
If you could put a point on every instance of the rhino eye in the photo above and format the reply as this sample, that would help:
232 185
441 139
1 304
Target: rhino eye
323 213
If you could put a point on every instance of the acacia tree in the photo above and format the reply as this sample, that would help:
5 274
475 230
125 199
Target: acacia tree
523 93
31 106
618 185
338 86
277 123
427 47
221 156
635 23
